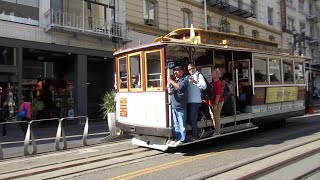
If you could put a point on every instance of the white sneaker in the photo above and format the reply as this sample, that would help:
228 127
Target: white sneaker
177 143
170 142
216 134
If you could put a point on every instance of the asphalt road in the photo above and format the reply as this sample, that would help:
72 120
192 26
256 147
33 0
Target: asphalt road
121 160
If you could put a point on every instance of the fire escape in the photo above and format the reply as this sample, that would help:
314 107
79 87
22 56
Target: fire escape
235 7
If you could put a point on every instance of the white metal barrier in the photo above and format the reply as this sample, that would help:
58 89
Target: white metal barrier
60 139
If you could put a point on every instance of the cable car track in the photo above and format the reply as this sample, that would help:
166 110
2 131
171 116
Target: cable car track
270 168
121 157
280 165
99 162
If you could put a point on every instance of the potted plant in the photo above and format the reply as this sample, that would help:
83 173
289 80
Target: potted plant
108 110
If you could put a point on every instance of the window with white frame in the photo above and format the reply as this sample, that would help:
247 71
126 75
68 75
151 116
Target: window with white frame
270 16
312 31
311 10
149 12
186 17
271 38
20 11
302 26
209 22
290 23
241 30
225 26
301 4
240 4
255 34
254 6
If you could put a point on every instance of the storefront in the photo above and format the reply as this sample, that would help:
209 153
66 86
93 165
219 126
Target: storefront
59 81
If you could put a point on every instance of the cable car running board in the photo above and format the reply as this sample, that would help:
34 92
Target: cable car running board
160 143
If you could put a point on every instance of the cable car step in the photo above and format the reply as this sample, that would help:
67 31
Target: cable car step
224 132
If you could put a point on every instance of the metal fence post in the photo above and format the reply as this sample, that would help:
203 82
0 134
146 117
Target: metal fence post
60 135
1 152
85 132
29 134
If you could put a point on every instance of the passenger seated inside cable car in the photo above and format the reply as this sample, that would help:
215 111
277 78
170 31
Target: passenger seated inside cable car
227 109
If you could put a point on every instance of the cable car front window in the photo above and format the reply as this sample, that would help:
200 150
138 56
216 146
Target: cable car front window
153 69
135 72
123 81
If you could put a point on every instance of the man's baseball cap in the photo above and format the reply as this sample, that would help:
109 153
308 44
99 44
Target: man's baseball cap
177 68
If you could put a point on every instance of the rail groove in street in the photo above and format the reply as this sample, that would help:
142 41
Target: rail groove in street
266 170
64 168
270 169
108 160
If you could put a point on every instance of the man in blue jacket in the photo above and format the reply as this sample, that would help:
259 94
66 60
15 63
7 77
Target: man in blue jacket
179 100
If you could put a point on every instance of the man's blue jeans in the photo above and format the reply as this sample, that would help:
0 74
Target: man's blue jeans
193 109
179 124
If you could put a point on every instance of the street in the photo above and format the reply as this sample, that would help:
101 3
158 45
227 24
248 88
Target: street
120 160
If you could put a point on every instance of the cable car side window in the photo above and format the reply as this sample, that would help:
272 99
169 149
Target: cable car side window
260 70
298 72
274 70
135 65
122 74
153 70
287 71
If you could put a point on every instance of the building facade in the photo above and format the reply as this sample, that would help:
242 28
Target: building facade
152 18
57 54
301 34
293 24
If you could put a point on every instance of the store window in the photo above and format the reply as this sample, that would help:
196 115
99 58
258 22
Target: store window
260 70
135 64
153 69
21 11
48 83
274 70
298 72
9 94
8 56
123 79
287 71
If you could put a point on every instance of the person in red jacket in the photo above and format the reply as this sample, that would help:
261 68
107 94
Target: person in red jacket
217 100
27 106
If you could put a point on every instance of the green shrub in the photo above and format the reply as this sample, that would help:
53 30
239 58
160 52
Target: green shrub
107 105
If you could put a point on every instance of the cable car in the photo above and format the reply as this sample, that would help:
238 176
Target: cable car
269 85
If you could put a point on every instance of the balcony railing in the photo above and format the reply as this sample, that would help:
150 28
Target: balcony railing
235 7
59 20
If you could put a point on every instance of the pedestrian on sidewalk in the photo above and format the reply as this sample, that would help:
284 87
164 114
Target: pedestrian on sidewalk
4 114
27 106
